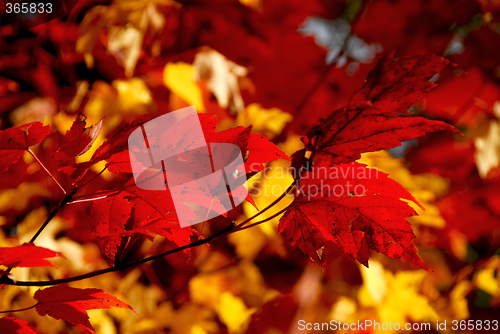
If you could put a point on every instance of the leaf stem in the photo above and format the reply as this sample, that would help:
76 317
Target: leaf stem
241 228
98 193
91 199
46 170
19 310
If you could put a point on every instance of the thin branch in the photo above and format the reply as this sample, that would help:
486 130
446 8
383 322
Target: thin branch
290 187
230 229
199 242
64 201
121 266
7 281
47 221
238 228
19 310
46 170
52 214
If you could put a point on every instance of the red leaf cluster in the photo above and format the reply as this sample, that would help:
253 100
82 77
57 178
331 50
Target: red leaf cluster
376 118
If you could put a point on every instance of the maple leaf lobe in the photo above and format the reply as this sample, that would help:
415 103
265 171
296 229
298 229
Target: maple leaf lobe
26 255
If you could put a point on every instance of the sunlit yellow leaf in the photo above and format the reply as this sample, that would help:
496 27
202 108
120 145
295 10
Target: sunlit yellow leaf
395 297
343 309
101 322
374 286
82 87
179 78
248 243
233 312
196 329
458 300
487 153
126 23
122 100
265 189
268 122
267 186
487 278
458 244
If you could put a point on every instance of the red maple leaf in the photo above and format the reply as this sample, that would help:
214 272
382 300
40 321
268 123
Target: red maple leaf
26 255
71 304
108 218
360 209
78 139
152 213
373 120
256 149
14 141
117 142
10 325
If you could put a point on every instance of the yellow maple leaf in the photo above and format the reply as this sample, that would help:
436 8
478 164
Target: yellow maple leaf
125 43
265 189
244 278
458 301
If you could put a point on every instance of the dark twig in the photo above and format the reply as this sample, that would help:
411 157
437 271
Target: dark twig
122 266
